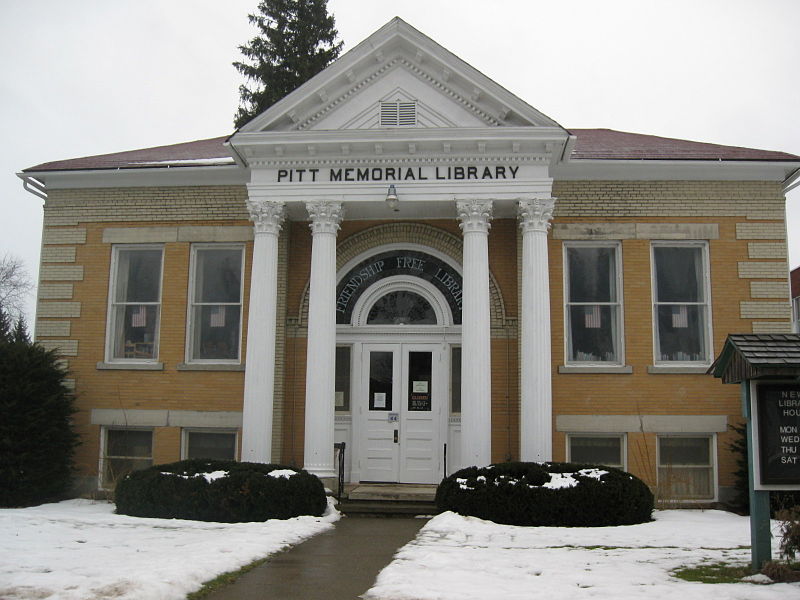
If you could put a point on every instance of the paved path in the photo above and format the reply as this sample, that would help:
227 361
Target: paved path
340 564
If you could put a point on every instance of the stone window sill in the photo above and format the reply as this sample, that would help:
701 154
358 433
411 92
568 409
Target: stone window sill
677 370
131 366
209 367
624 369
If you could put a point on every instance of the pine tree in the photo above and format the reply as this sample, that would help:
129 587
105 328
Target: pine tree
297 40
36 437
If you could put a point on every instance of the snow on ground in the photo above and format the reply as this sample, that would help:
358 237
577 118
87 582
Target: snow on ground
455 557
80 549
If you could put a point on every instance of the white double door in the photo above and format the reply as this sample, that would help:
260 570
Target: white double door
403 412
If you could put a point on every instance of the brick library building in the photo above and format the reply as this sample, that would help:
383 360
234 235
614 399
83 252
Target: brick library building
403 256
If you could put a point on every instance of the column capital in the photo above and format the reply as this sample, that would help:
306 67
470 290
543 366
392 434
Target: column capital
325 216
267 217
475 215
535 214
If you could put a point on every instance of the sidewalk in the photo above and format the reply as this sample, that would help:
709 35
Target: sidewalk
340 564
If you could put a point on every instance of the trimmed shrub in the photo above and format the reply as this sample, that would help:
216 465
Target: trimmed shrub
547 494
220 490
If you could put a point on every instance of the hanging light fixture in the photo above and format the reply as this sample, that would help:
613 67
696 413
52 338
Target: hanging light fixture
391 198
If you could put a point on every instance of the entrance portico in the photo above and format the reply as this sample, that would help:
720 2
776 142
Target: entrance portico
472 154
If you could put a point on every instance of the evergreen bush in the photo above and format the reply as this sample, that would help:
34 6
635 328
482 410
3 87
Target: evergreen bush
221 491
547 494
37 442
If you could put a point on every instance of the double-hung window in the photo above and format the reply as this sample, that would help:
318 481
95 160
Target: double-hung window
681 307
686 467
593 303
135 303
215 311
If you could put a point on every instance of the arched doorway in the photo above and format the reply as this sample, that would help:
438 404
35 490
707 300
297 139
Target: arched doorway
400 334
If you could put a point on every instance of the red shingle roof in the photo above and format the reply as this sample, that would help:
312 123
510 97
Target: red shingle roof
597 144
607 144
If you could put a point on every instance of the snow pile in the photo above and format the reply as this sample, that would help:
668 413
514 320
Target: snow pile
80 549
557 481
209 477
463 558
285 473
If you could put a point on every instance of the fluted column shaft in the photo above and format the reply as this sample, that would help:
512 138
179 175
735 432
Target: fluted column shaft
259 376
321 353
476 374
536 410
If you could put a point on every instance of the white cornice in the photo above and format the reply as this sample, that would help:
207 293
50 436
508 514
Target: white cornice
690 170
167 177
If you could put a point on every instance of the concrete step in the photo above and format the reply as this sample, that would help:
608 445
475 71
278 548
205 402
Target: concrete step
393 492
386 508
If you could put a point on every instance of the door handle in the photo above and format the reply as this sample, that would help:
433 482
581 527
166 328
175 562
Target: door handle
395 436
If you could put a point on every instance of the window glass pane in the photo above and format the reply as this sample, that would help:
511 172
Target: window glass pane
679 274
129 443
138 275
684 483
601 450
381 373
593 333
203 444
401 308
419 381
218 275
455 380
136 326
684 451
342 398
216 332
592 274
681 332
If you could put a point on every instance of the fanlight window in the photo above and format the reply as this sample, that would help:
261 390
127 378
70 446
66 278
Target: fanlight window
401 308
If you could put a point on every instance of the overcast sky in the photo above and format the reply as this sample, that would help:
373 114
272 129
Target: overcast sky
96 76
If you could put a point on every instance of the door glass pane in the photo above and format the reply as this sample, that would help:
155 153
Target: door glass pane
381 369
455 380
342 391
401 308
419 381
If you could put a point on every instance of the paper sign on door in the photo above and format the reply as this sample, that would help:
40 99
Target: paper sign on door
379 400
419 387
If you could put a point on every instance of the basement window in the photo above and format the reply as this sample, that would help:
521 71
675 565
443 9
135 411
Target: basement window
398 114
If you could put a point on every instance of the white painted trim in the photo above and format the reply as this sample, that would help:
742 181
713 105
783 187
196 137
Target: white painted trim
712 437
619 304
672 170
145 177
709 333
110 330
397 283
623 444
190 321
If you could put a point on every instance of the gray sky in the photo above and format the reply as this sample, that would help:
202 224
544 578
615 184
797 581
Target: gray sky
96 76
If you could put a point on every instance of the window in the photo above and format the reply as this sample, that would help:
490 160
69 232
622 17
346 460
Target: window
125 450
135 303
681 303
686 467
607 450
398 114
796 313
593 304
215 311
215 445
342 391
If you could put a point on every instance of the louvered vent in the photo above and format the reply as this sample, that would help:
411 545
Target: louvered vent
398 114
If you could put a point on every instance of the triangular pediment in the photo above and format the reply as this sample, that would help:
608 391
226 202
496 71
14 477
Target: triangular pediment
398 63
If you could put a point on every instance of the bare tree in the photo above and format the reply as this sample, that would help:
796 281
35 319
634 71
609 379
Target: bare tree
15 285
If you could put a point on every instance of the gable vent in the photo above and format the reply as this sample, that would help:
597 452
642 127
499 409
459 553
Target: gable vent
398 114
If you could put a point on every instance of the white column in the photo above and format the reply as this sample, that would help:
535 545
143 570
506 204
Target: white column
259 375
536 410
321 354
476 363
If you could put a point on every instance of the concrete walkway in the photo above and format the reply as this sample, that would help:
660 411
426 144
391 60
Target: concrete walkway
340 564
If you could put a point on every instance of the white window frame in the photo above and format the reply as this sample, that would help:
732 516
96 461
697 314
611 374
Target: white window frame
187 430
618 304
110 321
708 333
712 439
101 483
190 304
623 444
